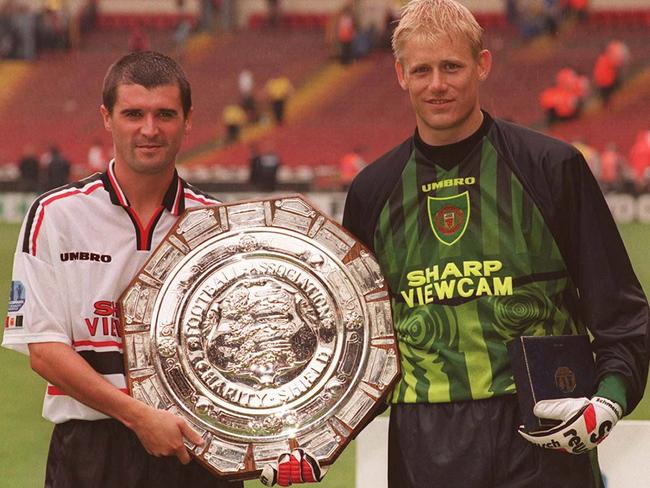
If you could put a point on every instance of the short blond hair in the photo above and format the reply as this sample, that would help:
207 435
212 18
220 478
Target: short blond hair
429 19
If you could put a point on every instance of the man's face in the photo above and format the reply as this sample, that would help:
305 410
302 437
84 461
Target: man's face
442 78
147 127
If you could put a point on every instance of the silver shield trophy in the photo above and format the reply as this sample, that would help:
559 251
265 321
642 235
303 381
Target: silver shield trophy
266 326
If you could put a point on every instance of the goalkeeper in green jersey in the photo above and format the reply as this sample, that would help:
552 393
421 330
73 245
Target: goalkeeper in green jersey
487 231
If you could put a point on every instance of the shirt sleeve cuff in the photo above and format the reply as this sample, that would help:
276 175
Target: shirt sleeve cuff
612 387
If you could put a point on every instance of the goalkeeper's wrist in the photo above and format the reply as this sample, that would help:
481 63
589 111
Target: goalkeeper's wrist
612 387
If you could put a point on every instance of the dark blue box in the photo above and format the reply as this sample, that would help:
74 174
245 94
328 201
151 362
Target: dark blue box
550 367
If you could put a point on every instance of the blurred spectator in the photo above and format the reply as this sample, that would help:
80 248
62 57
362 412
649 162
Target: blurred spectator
180 37
591 156
7 35
391 17
273 12
57 168
578 9
264 167
576 83
349 165
610 69
370 17
97 157
207 15
612 169
24 22
565 100
227 13
640 160
29 170
26 30
552 13
54 27
18 31
512 11
246 84
234 119
138 39
536 17
345 34
559 104
619 52
605 77
278 91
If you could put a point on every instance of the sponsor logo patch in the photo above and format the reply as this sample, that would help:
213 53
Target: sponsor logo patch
16 296
437 185
85 256
13 321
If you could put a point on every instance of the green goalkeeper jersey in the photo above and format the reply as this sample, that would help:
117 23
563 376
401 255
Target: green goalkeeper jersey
471 264
497 245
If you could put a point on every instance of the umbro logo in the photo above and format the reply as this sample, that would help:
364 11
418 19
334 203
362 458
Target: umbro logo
85 256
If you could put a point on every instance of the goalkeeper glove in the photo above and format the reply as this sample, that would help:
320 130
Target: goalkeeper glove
584 423
295 467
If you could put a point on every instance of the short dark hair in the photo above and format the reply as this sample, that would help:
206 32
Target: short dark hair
149 69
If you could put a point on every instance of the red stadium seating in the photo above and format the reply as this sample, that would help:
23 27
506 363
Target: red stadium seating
59 102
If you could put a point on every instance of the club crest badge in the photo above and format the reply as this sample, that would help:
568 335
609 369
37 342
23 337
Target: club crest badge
449 217
565 380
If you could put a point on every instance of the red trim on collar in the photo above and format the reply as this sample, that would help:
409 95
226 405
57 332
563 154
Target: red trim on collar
180 195
204 201
118 191
172 199
145 232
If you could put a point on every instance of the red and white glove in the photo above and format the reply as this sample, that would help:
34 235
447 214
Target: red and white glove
585 423
295 467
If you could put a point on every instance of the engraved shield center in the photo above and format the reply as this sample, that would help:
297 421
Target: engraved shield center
263 333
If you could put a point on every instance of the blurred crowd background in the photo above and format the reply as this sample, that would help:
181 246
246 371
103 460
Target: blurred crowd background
299 95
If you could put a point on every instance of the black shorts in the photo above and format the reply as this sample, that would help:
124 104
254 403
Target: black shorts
475 444
106 454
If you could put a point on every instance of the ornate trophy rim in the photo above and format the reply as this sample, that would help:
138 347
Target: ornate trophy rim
266 326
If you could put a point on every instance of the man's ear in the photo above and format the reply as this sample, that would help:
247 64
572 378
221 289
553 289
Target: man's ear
401 75
106 117
188 121
484 64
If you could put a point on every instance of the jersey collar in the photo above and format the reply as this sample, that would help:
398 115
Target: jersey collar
451 155
173 201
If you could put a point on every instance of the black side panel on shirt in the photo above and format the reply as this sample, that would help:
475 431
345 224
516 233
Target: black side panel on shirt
104 362
609 299
370 190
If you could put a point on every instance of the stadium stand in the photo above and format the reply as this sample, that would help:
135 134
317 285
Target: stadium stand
56 100
333 110
368 110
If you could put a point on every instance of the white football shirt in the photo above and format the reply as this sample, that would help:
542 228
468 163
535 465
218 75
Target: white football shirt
79 247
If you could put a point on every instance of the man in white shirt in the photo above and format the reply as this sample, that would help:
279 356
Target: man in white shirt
79 247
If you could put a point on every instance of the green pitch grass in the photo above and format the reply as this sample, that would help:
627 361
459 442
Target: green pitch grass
25 434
